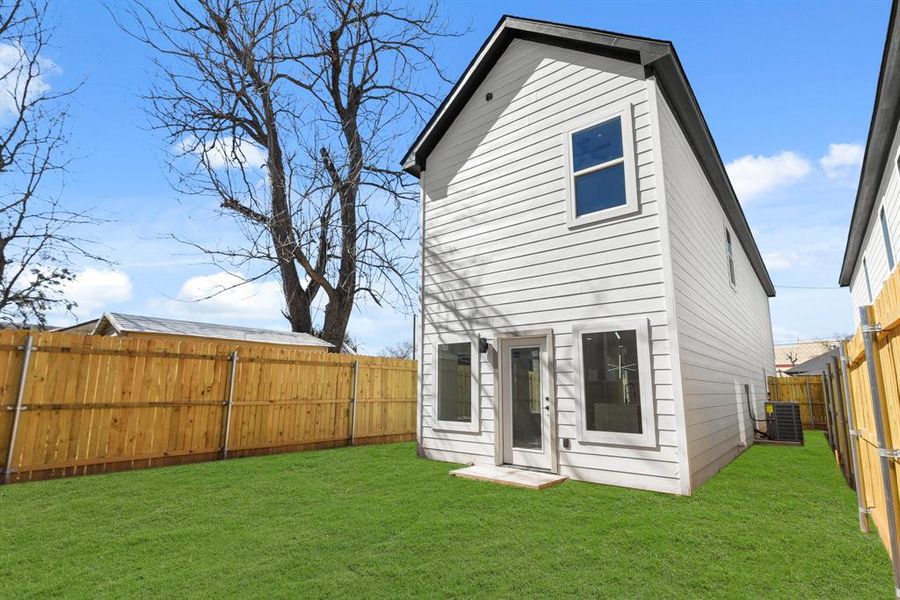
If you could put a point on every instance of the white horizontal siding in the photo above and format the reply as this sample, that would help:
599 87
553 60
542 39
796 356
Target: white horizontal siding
724 334
498 254
873 249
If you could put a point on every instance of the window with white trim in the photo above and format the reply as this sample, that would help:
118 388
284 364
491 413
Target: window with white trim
886 236
614 382
868 281
601 181
729 254
456 384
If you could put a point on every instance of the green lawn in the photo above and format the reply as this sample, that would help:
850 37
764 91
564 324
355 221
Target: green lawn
377 522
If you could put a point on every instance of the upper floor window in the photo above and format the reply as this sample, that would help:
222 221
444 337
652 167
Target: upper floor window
601 181
729 254
885 233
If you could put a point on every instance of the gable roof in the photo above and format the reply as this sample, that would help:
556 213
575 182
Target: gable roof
816 364
658 58
87 326
885 116
122 323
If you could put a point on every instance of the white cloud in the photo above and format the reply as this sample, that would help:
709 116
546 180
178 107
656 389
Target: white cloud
781 261
95 289
755 175
791 242
783 335
373 327
842 160
225 297
13 77
226 152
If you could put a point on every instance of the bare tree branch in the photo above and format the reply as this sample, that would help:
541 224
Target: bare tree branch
37 243
291 114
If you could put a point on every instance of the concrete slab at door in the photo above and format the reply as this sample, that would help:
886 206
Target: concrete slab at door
509 476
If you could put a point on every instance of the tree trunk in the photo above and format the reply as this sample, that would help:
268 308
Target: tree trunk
296 299
337 317
340 304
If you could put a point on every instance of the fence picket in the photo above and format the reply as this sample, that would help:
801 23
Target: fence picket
95 404
806 391
866 427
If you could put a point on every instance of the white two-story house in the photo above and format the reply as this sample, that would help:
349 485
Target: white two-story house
593 301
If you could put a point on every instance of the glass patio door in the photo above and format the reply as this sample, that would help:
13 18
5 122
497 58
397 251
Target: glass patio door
526 404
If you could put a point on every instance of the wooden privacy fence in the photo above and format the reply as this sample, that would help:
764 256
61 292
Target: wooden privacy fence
73 405
805 390
866 433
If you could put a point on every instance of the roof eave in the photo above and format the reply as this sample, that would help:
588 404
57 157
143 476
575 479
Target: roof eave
108 318
642 50
659 56
883 126
675 85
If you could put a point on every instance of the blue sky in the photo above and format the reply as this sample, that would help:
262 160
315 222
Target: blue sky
787 90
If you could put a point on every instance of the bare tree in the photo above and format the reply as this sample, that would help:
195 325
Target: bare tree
289 113
792 357
36 235
399 350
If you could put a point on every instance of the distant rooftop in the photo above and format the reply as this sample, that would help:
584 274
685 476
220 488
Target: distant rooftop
815 365
122 323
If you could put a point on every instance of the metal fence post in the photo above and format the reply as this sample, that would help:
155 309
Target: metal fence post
829 417
229 402
854 455
841 409
20 398
812 415
353 402
888 469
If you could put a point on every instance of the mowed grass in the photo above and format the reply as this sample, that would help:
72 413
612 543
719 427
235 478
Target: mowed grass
375 521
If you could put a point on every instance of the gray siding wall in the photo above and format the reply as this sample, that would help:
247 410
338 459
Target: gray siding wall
873 249
498 254
724 333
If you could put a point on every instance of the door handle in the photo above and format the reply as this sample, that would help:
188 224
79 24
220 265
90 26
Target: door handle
547 406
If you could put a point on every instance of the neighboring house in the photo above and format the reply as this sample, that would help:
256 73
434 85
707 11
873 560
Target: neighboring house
871 251
787 356
815 365
33 326
593 301
118 324
84 328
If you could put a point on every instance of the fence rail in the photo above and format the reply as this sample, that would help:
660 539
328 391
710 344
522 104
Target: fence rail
866 427
808 391
72 405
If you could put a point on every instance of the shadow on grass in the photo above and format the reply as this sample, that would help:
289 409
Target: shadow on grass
375 521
